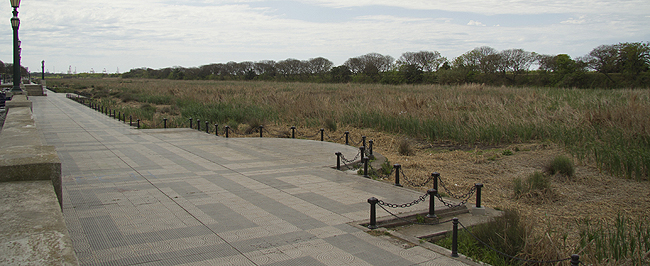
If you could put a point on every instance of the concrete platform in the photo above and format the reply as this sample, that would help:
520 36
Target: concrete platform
183 197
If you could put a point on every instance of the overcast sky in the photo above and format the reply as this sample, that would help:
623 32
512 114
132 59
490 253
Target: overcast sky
128 34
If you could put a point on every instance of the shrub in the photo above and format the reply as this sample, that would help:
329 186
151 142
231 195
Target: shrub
330 124
536 183
507 152
405 148
505 233
563 165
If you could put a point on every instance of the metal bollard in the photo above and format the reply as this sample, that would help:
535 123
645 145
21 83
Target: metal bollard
454 238
365 167
347 137
362 151
321 133
435 176
190 122
216 129
206 127
373 213
293 132
338 160
363 138
261 129
165 122
397 167
227 130
124 117
370 149
432 203
575 260
113 114
198 124
138 123
478 194
130 120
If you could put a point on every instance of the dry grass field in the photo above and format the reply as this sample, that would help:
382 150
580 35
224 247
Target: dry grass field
469 133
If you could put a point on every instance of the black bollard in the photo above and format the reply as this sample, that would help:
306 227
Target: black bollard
338 160
432 203
164 122
227 130
575 260
373 213
478 194
397 167
216 129
370 149
124 117
261 129
293 132
206 127
454 238
363 138
321 134
198 124
435 176
138 123
365 166
130 120
347 137
190 122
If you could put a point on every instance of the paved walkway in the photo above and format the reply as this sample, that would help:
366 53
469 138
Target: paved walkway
179 196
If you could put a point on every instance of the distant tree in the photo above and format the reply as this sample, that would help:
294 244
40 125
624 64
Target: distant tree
427 61
319 65
265 68
340 74
370 64
516 61
634 58
411 73
603 59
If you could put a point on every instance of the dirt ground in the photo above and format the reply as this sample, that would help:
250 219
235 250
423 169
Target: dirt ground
590 193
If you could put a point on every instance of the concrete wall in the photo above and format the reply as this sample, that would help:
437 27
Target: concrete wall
32 228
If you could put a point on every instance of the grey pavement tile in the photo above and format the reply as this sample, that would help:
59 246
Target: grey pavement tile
365 251
297 262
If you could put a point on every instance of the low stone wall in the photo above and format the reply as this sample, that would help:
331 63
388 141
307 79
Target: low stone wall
34 89
32 228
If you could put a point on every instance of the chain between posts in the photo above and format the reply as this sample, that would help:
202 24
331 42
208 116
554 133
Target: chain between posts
405 205
463 202
411 183
471 191
412 222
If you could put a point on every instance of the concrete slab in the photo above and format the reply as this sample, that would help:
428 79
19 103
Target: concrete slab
180 196
33 229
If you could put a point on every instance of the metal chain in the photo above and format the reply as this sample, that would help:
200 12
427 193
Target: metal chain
405 205
411 222
449 205
346 161
452 194
411 183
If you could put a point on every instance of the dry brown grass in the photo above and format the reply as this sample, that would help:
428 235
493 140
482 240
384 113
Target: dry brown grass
582 116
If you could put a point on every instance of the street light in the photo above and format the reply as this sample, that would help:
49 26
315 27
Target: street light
15 24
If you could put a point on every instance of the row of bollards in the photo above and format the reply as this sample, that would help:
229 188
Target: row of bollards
116 114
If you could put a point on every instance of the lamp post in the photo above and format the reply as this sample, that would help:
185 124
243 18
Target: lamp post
15 24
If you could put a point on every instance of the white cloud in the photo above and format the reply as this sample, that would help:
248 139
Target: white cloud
490 7
580 20
475 23
153 33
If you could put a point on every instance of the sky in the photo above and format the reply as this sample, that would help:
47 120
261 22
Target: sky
119 35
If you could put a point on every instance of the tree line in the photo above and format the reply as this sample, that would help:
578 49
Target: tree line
606 66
